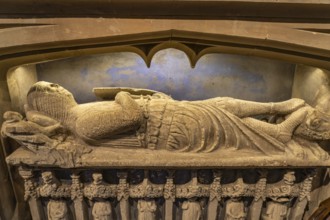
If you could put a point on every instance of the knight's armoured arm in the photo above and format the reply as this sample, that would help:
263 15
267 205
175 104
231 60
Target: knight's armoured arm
131 111
103 120
39 118
43 123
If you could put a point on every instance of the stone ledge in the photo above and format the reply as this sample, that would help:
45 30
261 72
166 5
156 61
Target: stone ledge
102 157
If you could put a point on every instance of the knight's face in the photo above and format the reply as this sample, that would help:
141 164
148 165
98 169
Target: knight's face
50 99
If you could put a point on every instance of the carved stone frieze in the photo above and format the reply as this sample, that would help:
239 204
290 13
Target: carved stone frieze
100 189
285 189
238 188
190 196
192 189
52 188
146 189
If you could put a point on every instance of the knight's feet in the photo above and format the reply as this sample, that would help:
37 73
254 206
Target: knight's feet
287 107
320 153
286 128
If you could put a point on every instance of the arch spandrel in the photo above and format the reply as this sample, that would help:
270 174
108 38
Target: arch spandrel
76 36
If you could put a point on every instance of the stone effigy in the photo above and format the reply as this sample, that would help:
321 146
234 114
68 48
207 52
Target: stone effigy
55 122
134 129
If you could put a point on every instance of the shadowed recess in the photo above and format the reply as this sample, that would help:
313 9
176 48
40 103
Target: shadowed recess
243 77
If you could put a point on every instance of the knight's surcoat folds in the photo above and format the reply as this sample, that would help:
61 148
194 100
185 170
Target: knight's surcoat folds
199 126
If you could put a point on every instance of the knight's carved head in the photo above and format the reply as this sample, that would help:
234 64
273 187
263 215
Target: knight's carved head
97 178
48 88
47 177
316 125
50 99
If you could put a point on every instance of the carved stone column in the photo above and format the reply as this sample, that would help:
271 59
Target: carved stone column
77 195
215 196
298 210
123 195
31 194
169 195
259 197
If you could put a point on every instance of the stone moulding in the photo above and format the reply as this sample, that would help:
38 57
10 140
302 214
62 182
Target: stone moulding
128 158
55 189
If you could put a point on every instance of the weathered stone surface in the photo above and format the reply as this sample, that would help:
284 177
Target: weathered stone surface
19 81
